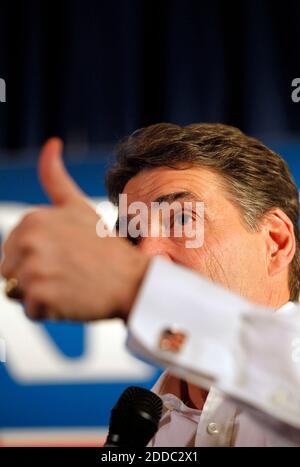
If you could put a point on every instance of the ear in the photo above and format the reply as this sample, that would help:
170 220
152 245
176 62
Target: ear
281 242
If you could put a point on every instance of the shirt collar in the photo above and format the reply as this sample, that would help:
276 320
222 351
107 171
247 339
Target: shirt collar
287 309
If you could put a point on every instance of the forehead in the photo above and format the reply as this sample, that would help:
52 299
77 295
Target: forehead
148 185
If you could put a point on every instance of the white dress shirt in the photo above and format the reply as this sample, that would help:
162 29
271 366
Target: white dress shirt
247 356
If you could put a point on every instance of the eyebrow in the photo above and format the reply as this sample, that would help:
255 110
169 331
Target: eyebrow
177 195
170 197
180 195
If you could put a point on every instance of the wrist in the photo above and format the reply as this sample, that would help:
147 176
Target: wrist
135 272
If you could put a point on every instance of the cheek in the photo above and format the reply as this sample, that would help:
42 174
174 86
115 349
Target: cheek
207 259
226 259
237 261
230 255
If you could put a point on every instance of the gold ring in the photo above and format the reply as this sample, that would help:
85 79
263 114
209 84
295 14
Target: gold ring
12 289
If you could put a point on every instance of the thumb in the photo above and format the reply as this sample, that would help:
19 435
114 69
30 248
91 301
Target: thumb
56 181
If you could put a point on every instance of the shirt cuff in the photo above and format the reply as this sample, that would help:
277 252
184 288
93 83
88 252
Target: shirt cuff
174 298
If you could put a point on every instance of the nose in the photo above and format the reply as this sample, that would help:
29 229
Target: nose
154 246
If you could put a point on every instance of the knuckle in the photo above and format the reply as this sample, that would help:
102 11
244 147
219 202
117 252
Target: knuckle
30 219
34 219
26 241
31 239
28 272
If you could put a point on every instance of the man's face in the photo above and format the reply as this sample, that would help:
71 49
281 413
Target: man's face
230 255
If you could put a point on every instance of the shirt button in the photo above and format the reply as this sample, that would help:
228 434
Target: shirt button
213 429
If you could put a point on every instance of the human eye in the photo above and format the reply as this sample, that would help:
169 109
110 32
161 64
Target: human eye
183 218
133 240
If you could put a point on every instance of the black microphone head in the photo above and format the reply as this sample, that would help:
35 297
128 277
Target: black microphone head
134 419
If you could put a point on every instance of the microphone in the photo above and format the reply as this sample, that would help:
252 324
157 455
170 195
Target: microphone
134 419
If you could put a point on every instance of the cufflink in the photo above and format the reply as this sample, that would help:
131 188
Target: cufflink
172 340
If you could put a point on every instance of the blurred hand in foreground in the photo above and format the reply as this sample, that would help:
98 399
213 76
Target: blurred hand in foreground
64 270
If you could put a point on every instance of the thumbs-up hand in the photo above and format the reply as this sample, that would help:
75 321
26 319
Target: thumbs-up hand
62 268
